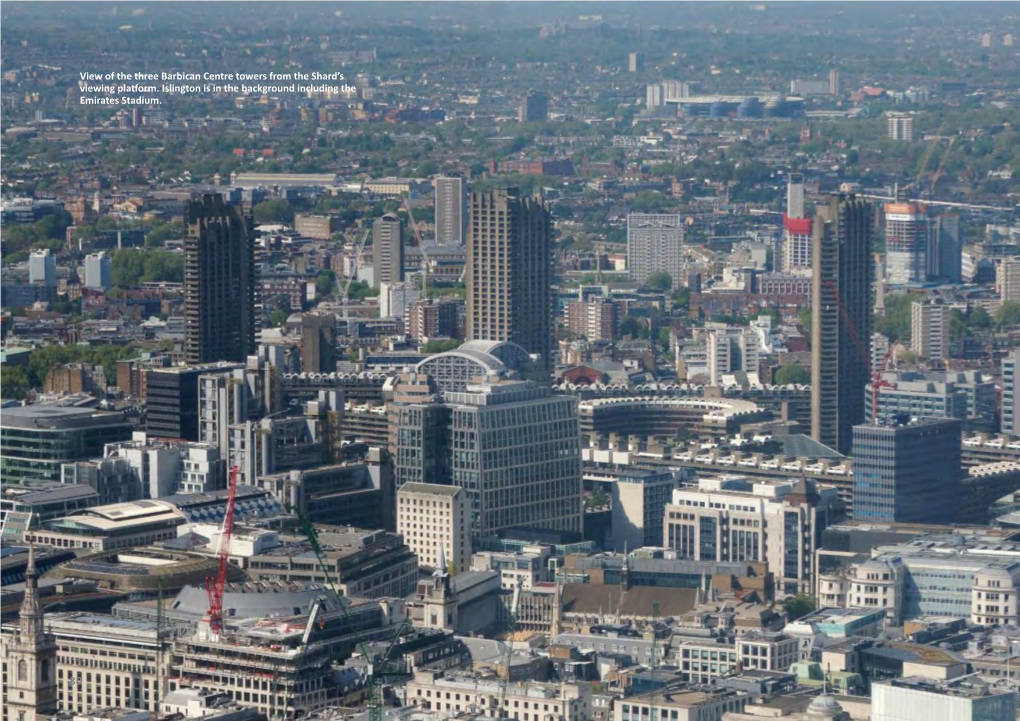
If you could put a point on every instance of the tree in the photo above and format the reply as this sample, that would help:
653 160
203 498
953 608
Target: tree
659 280
440 346
1008 314
277 318
276 210
804 316
649 201
682 297
799 606
792 373
598 498
13 383
324 283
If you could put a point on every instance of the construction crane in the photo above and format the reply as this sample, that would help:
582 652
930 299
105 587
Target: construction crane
927 156
878 382
376 673
508 650
425 262
344 286
942 164
214 587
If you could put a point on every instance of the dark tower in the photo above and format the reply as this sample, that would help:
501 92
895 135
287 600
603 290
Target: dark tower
842 262
220 294
509 271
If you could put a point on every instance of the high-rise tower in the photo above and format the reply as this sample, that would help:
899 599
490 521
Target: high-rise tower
387 250
842 265
451 210
509 271
30 659
220 290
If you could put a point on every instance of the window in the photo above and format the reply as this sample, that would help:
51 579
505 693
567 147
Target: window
22 672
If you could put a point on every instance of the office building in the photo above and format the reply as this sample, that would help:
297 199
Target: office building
451 208
655 243
730 349
1011 394
737 519
906 242
435 522
908 472
432 318
1007 279
639 500
220 288
394 298
899 126
796 245
835 83
636 62
42 267
321 227
795 196
387 250
709 703
966 395
654 96
318 343
534 109
842 265
509 271
597 319
513 446
36 440
929 330
172 399
923 699
945 248
98 274
29 659
435 691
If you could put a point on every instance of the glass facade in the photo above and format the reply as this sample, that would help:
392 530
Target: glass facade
907 473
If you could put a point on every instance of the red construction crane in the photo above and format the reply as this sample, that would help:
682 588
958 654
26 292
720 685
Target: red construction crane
214 587
878 382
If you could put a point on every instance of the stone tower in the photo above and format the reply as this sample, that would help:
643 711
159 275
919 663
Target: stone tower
31 659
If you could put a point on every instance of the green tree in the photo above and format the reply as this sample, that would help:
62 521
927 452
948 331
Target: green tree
1008 314
792 373
277 318
13 383
804 317
649 201
895 322
597 499
276 210
324 283
682 297
659 280
440 346
799 606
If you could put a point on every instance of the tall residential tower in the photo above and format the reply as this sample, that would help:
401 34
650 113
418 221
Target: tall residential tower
451 210
509 271
842 264
220 290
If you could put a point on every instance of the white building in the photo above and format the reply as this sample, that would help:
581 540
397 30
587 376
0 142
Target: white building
435 523
394 298
639 500
929 330
42 267
532 701
523 570
655 243
1010 396
731 349
702 704
98 273
922 699
899 126
451 210
731 518
947 575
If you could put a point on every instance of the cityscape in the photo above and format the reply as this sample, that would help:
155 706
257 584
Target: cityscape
531 361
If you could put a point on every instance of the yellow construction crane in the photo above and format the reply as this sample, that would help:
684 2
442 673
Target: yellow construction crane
942 164
927 156
425 262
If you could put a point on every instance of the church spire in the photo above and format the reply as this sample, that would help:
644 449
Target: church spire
31 612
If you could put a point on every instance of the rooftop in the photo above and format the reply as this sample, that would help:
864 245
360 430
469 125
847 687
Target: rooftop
45 417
